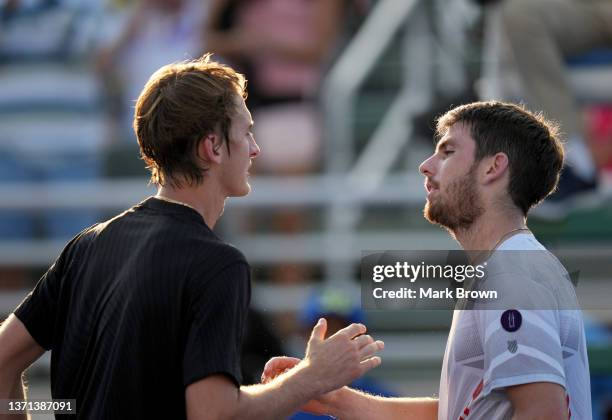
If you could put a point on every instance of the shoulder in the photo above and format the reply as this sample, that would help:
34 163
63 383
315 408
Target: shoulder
215 259
210 250
78 245
231 253
522 263
223 275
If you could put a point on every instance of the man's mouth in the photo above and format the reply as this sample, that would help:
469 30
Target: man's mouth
430 187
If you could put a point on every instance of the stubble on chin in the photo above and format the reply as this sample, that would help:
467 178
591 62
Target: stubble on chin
458 208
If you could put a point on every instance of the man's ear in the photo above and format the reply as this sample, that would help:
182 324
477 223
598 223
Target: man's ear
208 148
496 166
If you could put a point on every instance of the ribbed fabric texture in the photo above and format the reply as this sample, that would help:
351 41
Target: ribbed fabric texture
137 308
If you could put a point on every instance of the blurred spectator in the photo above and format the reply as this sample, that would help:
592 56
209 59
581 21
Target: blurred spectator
155 33
340 309
599 128
542 34
282 46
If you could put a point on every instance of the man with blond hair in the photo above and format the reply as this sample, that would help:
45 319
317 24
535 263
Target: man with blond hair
144 313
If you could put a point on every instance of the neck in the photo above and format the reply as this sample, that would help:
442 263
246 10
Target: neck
203 198
490 229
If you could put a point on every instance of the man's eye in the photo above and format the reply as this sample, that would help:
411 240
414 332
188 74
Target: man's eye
448 152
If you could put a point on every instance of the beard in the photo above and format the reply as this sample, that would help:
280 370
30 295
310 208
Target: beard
458 207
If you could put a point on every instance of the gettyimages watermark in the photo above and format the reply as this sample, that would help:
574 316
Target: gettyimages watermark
402 280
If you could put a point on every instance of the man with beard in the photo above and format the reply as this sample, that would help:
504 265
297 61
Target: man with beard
493 162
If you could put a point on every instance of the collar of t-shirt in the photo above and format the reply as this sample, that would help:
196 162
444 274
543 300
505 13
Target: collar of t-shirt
524 241
168 207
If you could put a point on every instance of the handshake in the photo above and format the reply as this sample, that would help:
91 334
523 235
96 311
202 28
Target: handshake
329 364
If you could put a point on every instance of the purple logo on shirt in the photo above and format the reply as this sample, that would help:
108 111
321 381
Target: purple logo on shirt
511 320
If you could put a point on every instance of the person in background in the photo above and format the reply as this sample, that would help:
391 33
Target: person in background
283 47
542 35
155 32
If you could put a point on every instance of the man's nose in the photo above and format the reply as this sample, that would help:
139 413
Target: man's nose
426 167
254 149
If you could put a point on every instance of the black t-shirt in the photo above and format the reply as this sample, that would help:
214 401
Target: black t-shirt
137 308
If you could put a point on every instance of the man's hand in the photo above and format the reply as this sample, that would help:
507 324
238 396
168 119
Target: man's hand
276 366
341 358
334 362
281 364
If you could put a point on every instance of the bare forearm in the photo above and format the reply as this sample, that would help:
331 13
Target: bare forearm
11 387
328 363
352 404
277 399
18 351
10 384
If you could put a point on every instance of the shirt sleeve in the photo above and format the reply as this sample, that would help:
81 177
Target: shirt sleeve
38 310
217 315
520 347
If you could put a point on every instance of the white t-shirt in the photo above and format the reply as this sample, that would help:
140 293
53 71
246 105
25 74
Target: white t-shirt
489 350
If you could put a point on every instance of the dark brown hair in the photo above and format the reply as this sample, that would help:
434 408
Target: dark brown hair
535 153
180 104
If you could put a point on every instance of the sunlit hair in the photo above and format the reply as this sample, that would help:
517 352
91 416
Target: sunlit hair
532 144
181 104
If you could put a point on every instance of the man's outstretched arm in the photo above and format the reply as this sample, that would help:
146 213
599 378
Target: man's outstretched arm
329 364
18 350
352 404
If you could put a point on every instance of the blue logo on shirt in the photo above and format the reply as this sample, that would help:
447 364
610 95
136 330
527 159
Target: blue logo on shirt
511 320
